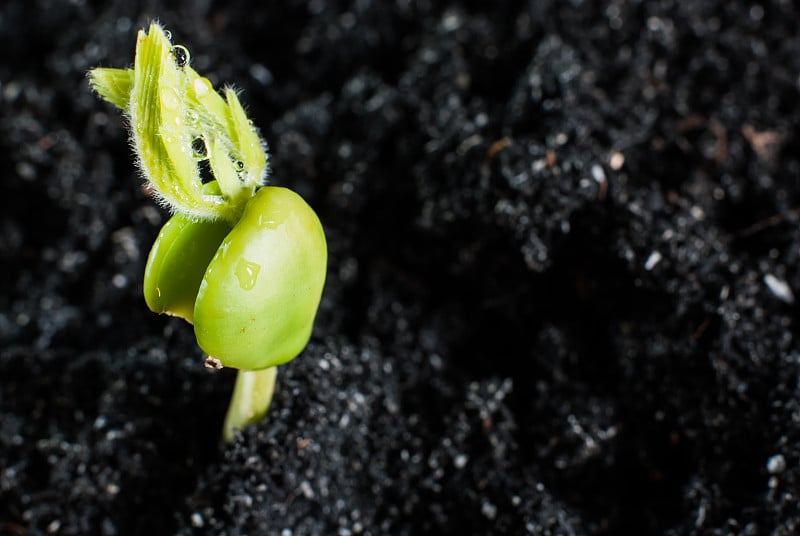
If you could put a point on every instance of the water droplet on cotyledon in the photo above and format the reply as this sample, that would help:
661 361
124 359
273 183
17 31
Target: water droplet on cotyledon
170 98
168 35
181 55
247 273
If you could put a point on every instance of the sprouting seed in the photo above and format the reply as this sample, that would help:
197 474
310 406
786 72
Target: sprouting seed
194 146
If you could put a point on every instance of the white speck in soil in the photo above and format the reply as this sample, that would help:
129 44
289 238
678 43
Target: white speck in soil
652 260
598 174
776 464
197 520
261 74
779 288
489 510
306 490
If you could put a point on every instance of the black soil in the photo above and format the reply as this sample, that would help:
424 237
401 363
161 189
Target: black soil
563 285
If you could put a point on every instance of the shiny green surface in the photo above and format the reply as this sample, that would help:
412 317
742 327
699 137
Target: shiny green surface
177 262
252 395
257 301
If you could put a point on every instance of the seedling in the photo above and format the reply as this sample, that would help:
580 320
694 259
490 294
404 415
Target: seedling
243 262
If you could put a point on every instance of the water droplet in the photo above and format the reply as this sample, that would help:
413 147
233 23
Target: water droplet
247 273
168 35
181 55
202 87
199 148
239 165
170 98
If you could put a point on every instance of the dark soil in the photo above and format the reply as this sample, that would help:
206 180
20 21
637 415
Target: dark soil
564 250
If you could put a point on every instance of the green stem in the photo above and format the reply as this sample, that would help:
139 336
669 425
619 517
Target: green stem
252 395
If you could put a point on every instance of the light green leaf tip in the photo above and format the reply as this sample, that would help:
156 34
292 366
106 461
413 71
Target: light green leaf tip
114 85
173 112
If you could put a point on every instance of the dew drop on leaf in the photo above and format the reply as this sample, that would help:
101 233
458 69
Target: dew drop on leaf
202 87
181 55
170 98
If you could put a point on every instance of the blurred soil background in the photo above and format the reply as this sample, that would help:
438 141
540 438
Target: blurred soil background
562 290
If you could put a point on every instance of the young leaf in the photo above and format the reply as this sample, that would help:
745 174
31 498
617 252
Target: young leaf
114 85
170 107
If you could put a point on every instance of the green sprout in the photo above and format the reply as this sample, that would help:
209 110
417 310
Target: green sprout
243 262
